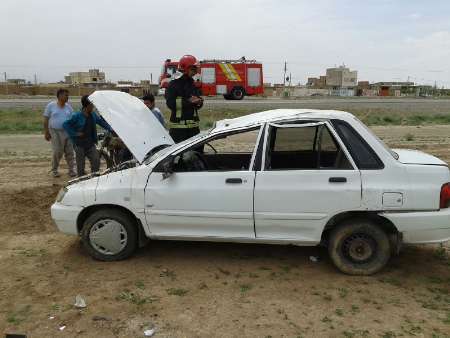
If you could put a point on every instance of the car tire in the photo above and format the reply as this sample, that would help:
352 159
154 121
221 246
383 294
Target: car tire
359 247
237 93
110 235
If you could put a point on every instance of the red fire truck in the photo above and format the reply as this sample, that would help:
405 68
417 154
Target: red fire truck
233 79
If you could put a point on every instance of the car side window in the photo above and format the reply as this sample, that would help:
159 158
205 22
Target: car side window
304 147
225 152
363 155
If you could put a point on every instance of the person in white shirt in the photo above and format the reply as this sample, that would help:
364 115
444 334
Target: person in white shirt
55 114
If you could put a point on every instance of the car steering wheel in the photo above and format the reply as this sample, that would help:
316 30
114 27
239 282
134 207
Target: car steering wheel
209 145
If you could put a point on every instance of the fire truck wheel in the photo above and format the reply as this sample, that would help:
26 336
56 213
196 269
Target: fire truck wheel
237 93
227 96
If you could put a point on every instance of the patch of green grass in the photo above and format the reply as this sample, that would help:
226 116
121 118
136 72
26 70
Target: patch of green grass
447 320
389 334
441 253
285 268
413 330
326 320
30 120
435 280
245 287
177 292
339 312
355 309
390 280
19 316
168 273
343 292
32 252
55 307
135 298
140 284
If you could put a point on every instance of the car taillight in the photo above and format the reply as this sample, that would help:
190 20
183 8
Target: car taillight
445 196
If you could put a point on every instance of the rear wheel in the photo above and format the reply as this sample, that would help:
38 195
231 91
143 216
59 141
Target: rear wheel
227 96
359 247
237 93
110 235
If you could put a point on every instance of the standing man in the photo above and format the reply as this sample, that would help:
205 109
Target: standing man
82 130
184 101
55 114
149 101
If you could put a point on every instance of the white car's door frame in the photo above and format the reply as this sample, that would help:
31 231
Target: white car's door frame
296 204
203 204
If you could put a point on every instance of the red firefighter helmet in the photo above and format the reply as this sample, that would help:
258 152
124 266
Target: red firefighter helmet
186 62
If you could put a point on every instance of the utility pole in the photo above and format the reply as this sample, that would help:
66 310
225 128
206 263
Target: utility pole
35 79
284 77
6 83
290 79
151 78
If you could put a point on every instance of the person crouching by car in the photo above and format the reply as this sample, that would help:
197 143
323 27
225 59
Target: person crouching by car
82 130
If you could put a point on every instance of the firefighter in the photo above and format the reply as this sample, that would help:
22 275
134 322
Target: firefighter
184 101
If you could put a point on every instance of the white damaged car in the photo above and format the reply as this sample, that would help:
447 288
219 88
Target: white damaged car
287 176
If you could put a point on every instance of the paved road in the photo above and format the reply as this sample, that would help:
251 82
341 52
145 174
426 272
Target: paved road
326 103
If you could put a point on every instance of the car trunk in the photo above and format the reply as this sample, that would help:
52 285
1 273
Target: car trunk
408 156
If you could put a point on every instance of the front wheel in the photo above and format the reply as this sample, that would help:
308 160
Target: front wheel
110 235
359 247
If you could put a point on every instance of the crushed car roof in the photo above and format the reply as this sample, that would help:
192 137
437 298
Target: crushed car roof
279 115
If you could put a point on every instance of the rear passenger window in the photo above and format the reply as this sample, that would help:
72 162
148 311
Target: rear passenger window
304 147
363 155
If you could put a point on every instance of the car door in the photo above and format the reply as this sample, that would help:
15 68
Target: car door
216 201
307 176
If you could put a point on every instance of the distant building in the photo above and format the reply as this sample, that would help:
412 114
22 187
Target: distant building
317 82
341 77
363 85
17 81
394 88
93 76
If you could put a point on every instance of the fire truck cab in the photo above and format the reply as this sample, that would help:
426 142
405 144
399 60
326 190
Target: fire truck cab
233 79
169 68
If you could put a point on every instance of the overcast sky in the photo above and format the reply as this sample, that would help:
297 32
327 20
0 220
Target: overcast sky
385 40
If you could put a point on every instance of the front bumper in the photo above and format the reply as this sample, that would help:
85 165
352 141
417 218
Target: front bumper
423 226
65 217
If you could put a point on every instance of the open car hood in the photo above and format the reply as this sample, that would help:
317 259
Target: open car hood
408 156
133 122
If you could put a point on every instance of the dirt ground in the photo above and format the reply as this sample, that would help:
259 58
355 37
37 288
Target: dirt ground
191 289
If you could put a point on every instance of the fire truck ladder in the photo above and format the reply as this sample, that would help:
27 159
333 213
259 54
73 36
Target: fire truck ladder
241 60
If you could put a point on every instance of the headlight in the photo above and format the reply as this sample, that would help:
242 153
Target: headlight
61 194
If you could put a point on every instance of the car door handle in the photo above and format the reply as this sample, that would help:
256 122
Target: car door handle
337 179
233 180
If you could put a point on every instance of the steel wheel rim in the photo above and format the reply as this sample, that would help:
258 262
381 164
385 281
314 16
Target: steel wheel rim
359 248
108 237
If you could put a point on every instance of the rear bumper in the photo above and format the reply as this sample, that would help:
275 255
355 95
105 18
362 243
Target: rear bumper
65 217
422 227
